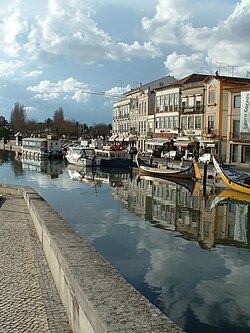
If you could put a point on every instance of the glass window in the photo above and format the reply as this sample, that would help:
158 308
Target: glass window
237 101
157 103
211 94
198 105
245 154
166 122
190 122
161 122
198 122
184 122
170 122
176 122
235 153
210 122
171 102
236 128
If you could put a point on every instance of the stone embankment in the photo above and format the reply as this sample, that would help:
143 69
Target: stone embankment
95 298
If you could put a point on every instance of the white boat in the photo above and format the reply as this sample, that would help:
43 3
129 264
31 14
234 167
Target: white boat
50 147
82 156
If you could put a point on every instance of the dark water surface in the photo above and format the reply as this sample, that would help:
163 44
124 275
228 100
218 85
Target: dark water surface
187 255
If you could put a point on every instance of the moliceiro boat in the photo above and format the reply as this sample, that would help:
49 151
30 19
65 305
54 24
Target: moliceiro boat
165 171
237 181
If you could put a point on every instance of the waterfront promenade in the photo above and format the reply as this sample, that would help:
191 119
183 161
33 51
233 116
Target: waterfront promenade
29 300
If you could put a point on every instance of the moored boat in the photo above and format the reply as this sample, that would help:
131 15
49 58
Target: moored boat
165 171
82 156
237 181
113 158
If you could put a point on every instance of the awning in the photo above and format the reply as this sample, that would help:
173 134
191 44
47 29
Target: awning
130 138
157 141
183 143
113 137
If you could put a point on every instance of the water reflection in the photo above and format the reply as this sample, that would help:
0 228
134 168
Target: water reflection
189 255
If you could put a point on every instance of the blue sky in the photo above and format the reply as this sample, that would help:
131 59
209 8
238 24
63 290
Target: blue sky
55 49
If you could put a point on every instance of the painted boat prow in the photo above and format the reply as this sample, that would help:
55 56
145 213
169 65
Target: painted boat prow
232 182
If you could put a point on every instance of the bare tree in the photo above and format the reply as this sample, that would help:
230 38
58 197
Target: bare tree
18 118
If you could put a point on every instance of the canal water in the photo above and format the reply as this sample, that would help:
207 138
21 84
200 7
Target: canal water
187 252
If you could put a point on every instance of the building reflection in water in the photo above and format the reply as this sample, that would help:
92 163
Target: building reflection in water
181 207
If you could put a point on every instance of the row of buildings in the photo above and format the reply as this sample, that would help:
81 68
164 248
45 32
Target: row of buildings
197 114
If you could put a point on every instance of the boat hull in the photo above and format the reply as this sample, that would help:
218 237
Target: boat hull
229 177
192 172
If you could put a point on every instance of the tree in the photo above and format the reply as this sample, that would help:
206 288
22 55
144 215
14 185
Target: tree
5 130
18 118
58 120
98 130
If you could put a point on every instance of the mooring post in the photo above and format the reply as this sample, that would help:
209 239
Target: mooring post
205 179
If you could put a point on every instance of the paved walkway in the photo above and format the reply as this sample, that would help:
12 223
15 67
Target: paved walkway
29 301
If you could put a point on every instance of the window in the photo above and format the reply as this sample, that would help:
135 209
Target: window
237 101
198 122
170 122
210 122
166 122
191 122
245 154
235 153
171 102
176 102
198 105
184 122
211 94
161 122
175 122
236 128
157 103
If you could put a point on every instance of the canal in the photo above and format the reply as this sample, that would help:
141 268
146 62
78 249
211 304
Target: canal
189 254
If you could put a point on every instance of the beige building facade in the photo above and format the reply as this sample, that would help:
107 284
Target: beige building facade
197 114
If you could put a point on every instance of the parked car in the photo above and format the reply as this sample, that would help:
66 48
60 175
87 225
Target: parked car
207 157
170 154
153 152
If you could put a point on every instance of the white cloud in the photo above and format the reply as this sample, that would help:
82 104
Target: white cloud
68 30
170 15
181 65
226 41
67 89
9 68
12 27
33 73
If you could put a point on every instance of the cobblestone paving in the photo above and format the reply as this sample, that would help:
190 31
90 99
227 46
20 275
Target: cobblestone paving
29 302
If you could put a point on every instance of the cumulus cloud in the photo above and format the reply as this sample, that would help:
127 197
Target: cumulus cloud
67 89
181 65
68 30
164 27
227 41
